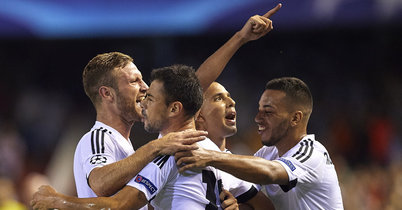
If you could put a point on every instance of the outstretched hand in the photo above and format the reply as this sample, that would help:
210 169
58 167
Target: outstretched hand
258 26
180 141
44 198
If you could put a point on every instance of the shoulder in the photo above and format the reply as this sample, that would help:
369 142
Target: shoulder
96 140
208 144
309 151
163 160
266 152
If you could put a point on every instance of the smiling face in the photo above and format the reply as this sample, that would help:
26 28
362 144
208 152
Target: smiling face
131 91
273 117
154 108
218 112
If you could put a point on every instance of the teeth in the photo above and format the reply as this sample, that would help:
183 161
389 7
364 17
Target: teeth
260 127
140 99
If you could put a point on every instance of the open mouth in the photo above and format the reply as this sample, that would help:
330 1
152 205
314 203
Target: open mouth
261 128
139 99
230 118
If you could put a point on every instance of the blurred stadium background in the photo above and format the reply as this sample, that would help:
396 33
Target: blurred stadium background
348 51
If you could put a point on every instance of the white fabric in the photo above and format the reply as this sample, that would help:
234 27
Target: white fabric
310 170
102 145
166 188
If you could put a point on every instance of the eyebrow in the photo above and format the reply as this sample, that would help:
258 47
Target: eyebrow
220 94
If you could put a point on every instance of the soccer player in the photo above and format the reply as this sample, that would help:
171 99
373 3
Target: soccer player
171 102
218 116
294 168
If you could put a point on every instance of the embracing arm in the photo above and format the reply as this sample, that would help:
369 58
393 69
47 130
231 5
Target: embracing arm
107 180
249 168
47 198
256 27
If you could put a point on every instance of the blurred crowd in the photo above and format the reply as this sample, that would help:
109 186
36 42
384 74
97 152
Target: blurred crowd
356 81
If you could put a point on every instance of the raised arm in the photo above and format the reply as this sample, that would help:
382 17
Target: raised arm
107 180
256 27
47 198
249 168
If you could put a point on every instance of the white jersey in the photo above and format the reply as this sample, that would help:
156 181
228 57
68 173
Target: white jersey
242 190
313 183
100 146
166 188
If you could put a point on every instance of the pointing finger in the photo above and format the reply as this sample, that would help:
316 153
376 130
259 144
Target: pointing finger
273 11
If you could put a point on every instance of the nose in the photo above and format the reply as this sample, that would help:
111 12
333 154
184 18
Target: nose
231 102
257 118
144 87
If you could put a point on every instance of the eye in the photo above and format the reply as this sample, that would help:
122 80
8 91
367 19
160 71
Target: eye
218 98
268 112
146 97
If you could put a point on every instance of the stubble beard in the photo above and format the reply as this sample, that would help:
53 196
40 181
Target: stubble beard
128 109
281 131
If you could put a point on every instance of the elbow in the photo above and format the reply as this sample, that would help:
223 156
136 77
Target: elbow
100 189
275 175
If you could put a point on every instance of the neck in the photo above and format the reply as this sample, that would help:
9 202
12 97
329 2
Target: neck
289 141
175 125
218 140
120 125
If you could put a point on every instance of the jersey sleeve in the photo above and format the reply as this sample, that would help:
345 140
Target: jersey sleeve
301 171
97 150
153 177
242 190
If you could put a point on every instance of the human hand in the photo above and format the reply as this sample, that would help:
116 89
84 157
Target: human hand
258 26
228 201
44 198
199 158
180 141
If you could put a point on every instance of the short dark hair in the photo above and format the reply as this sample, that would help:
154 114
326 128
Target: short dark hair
99 72
180 84
296 91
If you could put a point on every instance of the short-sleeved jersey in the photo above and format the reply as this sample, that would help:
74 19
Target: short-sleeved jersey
166 188
313 182
102 145
242 190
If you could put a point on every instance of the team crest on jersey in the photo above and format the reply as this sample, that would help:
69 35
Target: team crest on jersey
98 159
288 163
148 184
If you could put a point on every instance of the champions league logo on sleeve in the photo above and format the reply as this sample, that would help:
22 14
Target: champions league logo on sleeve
98 159
148 184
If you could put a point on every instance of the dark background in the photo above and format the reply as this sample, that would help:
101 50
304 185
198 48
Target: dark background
350 60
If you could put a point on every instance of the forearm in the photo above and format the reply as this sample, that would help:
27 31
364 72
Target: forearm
128 198
250 168
211 68
74 203
107 180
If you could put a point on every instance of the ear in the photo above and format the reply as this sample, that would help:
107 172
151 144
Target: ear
199 117
200 121
175 108
296 118
106 93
